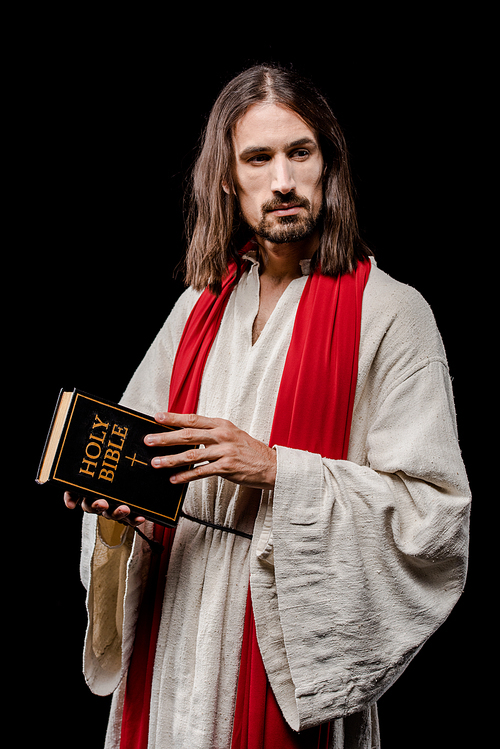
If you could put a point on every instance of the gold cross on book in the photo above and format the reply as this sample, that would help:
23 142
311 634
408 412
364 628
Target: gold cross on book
135 460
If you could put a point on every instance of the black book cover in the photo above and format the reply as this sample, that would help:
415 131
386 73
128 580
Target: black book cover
96 446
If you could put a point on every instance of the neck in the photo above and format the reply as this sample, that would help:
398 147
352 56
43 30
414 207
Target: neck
282 261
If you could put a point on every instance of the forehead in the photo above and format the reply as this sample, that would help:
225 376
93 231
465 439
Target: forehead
270 125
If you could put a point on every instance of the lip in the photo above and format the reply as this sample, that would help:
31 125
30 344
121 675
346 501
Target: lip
288 211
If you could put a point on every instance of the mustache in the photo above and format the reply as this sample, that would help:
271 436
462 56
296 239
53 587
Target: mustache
289 200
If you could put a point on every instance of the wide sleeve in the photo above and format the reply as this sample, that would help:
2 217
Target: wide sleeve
364 561
114 566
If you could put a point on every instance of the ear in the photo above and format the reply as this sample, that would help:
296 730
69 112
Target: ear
228 185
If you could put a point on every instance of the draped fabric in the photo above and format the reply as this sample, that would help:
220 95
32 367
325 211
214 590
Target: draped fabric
313 412
199 333
135 721
258 722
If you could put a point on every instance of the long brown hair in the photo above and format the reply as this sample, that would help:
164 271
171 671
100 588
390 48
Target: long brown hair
215 229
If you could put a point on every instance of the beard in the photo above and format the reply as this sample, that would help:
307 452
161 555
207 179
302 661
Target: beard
285 229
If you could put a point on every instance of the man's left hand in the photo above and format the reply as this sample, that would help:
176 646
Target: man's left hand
224 451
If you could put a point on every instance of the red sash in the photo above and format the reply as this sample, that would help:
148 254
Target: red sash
319 378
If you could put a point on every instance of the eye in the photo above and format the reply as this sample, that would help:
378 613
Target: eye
300 153
259 158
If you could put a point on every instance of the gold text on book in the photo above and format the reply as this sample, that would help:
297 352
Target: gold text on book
101 453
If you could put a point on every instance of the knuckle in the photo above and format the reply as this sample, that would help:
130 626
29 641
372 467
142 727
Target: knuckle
191 419
225 464
225 433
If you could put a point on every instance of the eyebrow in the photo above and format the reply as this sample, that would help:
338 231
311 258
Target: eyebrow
265 149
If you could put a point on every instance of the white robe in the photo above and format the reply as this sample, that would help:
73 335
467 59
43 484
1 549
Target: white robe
353 563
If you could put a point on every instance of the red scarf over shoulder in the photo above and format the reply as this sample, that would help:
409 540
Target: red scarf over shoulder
319 377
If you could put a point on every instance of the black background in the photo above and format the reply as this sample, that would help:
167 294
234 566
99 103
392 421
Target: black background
106 113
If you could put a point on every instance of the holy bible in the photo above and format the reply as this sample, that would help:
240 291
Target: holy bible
97 447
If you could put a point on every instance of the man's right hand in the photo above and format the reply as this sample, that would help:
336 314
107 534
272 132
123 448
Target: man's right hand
99 506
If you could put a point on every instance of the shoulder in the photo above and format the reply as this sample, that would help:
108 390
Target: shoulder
384 294
395 306
171 331
183 306
398 329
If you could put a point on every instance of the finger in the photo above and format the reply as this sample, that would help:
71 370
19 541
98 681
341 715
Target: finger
95 506
187 458
72 500
187 436
133 520
117 513
193 421
202 463
192 474
123 514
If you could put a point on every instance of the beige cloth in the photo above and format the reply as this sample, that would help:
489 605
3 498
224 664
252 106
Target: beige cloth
353 563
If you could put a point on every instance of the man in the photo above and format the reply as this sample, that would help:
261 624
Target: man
325 528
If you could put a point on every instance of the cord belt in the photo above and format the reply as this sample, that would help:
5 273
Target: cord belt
217 527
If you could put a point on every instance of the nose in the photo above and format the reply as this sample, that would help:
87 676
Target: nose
283 176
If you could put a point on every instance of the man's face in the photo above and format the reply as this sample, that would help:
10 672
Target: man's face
278 173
